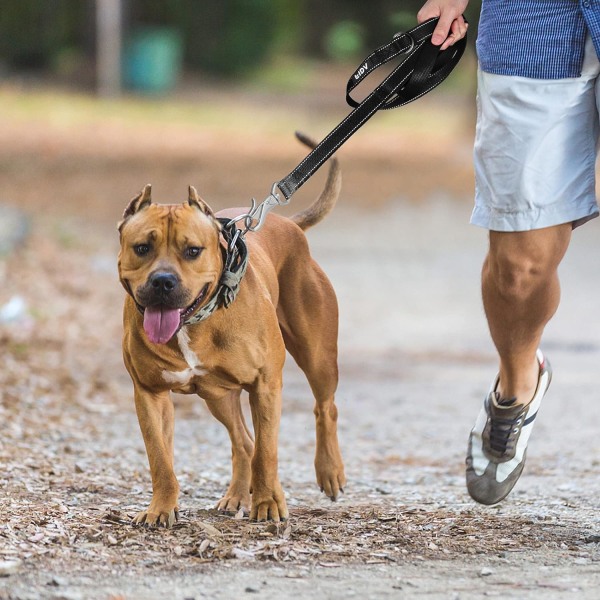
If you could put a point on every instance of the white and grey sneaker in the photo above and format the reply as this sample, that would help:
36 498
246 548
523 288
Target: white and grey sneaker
498 442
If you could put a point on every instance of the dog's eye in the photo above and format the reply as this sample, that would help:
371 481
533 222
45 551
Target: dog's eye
193 252
141 249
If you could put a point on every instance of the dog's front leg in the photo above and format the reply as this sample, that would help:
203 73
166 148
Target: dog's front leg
228 411
268 500
156 417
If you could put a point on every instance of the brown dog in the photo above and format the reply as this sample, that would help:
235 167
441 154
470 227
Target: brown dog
171 261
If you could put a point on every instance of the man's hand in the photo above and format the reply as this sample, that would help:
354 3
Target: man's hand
451 27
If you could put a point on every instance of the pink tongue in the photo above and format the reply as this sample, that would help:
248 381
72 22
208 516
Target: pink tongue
160 324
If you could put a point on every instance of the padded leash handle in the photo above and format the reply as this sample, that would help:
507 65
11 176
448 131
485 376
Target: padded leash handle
423 68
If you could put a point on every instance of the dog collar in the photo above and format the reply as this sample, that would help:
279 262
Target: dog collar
235 263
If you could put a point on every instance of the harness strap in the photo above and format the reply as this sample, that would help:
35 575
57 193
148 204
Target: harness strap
423 68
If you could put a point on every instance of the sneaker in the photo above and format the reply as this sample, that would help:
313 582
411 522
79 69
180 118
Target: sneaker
498 442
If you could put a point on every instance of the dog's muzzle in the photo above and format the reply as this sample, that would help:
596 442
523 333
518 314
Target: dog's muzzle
163 288
164 282
165 305
163 299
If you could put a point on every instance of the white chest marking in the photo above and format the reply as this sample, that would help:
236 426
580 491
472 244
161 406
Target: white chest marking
194 365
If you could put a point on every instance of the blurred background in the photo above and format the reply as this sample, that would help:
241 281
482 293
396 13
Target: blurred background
100 97
156 41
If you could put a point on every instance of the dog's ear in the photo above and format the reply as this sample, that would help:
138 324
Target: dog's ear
142 200
196 201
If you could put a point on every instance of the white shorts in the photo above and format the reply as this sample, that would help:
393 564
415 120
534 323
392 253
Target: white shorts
535 149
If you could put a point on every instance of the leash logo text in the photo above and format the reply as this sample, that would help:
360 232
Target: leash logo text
361 71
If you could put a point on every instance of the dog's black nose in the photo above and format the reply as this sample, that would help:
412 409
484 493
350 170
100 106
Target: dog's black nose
164 282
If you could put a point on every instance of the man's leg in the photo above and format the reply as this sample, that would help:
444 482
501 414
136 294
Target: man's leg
521 293
535 153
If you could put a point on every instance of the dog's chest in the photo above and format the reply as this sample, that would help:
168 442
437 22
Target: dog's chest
181 380
210 362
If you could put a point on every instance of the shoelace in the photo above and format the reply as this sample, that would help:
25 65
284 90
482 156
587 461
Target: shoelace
503 431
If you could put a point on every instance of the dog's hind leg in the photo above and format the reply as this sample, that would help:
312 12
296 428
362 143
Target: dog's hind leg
322 374
228 410
310 331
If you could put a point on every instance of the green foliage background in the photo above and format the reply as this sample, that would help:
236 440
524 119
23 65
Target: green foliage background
224 37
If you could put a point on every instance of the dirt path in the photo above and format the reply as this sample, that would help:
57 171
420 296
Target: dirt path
415 362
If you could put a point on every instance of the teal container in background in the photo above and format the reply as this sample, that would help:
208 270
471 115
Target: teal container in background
152 59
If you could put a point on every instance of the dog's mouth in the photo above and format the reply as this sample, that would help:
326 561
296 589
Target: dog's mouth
162 322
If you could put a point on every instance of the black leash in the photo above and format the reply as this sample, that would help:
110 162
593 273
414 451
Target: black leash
423 68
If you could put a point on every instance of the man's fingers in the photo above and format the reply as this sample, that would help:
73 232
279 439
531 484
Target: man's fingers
442 29
458 30
451 25
459 27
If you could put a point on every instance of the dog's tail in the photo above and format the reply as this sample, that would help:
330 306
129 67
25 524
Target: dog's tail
323 205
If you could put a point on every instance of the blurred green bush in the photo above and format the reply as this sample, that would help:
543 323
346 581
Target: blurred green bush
229 38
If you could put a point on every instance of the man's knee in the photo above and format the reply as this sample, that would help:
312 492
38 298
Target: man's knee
514 277
520 263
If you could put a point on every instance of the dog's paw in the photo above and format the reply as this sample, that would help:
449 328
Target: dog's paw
151 518
331 478
232 503
271 508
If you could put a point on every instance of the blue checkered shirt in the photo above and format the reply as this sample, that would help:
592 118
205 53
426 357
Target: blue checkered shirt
542 39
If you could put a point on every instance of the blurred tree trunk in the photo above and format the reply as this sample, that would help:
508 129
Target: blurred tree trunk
109 42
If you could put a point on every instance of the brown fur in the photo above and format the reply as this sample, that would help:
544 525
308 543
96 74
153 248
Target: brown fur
285 302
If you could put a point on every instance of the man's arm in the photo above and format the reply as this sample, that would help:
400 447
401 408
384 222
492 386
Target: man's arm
451 26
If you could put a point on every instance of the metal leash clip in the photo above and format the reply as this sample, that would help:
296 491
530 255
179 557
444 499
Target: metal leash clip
254 219
402 34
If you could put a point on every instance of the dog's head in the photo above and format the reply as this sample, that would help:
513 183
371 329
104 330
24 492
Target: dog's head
170 260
